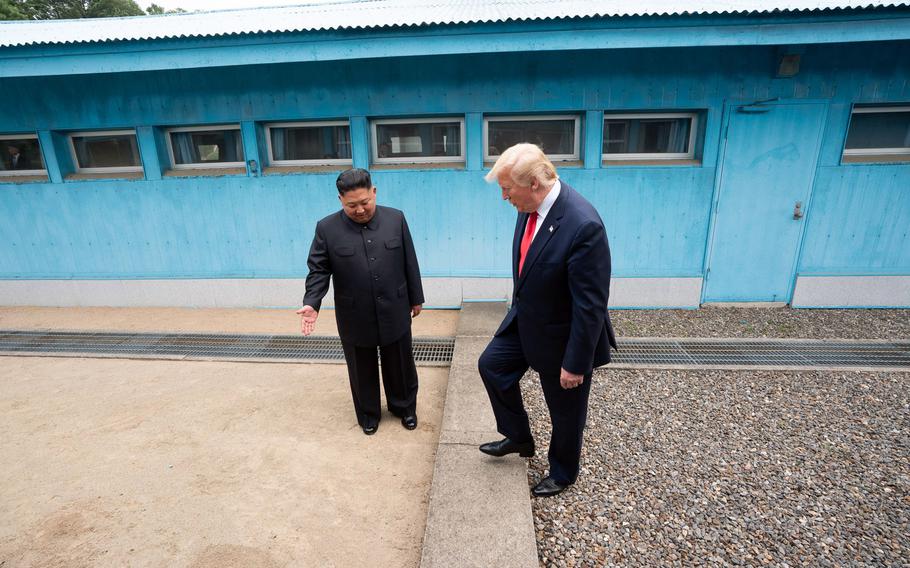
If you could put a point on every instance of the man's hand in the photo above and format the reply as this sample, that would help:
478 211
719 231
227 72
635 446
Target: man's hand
570 380
415 310
307 319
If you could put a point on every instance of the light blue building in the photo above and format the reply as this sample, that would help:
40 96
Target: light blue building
758 153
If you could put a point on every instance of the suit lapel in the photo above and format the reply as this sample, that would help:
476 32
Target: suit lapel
516 243
544 234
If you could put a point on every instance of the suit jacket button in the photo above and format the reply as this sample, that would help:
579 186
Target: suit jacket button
372 258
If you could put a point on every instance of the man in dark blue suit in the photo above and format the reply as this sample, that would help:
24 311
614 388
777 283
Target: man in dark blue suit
558 324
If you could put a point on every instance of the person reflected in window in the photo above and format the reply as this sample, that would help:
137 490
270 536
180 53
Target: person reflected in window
17 160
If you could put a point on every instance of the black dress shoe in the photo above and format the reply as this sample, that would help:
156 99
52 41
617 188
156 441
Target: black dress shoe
506 446
548 487
370 430
409 422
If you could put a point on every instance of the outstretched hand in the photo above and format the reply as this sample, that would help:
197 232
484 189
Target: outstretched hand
308 317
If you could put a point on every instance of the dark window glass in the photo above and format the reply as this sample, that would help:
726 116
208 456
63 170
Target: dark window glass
419 140
554 137
873 130
311 143
647 135
107 151
616 136
206 147
21 154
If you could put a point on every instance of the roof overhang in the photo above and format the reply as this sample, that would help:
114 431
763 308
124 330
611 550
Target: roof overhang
333 45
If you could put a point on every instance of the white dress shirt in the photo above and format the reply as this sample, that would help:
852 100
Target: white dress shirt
545 207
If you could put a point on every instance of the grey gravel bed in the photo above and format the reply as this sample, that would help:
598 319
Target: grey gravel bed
748 468
888 324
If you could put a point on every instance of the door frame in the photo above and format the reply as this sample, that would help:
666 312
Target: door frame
729 107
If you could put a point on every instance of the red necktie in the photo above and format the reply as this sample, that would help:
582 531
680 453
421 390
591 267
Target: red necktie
526 240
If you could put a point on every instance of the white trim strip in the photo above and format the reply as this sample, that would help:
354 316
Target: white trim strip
288 292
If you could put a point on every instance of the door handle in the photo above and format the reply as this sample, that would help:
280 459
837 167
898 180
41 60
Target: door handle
798 210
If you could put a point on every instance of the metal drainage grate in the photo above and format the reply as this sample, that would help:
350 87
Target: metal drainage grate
438 351
427 350
762 353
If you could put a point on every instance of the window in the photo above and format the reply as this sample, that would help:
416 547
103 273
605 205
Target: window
204 147
878 133
418 140
653 136
102 152
309 143
557 136
21 155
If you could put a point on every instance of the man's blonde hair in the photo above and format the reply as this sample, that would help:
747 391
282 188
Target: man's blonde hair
524 162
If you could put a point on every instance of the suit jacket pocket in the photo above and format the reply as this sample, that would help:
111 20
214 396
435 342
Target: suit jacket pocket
393 243
403 291
344 251
344 301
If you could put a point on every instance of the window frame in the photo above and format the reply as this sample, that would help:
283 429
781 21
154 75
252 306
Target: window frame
885 152
576 143
643 156
204 165
23 173
103 170
307 124
374 141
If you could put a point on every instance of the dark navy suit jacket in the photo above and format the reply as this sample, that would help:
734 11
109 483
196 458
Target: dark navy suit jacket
559 302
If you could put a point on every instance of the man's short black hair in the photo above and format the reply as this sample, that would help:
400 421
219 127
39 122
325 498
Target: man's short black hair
356 178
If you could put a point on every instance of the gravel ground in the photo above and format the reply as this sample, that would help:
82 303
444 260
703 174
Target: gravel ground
892 325
709 467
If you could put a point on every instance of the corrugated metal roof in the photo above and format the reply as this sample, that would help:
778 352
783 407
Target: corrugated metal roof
366 14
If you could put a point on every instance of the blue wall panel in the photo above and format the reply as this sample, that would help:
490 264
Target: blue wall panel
657 216
238 226
859 222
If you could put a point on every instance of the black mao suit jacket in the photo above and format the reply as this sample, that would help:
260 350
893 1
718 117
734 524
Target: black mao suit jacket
375 272
559 301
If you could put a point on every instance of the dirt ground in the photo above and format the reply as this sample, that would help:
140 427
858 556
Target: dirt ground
430 323
110 462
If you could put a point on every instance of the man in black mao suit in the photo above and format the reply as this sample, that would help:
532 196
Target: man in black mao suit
368 251
558 322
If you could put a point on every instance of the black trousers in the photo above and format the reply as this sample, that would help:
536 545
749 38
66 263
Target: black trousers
399 379
501 367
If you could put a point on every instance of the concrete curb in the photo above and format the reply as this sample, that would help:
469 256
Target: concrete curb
479 513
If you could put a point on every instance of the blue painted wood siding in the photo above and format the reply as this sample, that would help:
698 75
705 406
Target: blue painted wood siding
657 216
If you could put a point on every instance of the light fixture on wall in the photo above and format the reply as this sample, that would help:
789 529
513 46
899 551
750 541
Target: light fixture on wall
788 65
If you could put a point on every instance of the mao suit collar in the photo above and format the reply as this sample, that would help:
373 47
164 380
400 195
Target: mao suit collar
372 224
